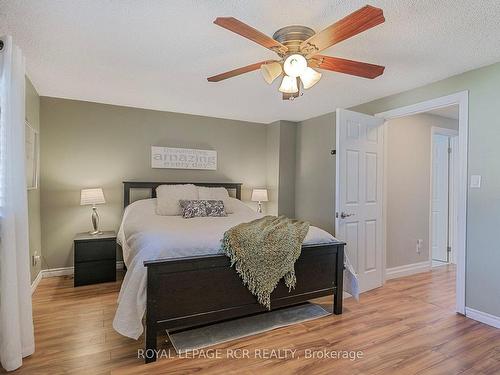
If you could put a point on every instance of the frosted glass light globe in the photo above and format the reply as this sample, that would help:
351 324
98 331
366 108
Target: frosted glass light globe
289 85
271 71
295 65
310 77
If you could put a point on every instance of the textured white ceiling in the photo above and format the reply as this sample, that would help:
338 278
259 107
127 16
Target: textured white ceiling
157 54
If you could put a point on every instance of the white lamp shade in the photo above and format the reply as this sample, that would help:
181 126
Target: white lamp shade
310 77
92 196
295 65
289 85
271 71
259 195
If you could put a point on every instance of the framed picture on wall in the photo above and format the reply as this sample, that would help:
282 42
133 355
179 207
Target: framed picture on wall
32 157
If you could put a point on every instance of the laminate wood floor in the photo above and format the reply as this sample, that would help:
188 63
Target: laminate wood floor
406 327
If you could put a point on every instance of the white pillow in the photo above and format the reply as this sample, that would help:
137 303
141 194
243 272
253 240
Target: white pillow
240 207
216 193
168 197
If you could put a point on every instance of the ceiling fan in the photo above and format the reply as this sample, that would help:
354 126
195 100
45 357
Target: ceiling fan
298 48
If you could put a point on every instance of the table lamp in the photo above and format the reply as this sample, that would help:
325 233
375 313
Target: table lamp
93 197
259 195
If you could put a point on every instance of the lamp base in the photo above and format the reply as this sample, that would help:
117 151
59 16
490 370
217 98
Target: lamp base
95 222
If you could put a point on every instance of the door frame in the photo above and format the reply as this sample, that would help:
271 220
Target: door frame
450 133
462 100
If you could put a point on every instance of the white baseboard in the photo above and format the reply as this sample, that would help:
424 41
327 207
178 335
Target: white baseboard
407 270
35 282
483 317
63 271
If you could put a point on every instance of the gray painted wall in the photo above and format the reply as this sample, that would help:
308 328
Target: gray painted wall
315 172
33 118
408 178
281 168
273 166
87 145
286 198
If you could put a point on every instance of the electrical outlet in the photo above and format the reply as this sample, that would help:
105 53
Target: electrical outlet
420 243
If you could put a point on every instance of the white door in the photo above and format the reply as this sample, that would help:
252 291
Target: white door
440 197
359 192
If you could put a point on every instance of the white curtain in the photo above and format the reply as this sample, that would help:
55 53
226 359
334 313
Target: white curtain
16 321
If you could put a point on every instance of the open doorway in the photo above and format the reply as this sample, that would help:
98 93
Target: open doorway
417 183
361 206
460 99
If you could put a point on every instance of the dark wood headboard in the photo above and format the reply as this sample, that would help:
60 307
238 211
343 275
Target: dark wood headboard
127 185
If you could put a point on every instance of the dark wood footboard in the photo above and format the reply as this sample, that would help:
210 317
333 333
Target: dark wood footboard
188 292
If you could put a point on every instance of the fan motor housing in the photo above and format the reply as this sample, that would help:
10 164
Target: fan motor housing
292 36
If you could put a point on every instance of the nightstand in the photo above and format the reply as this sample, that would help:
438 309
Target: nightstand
95 258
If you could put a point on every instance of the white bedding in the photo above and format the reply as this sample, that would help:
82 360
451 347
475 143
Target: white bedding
144 235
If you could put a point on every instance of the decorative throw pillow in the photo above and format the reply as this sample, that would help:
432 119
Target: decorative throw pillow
216 193
168 197
215 208
202 208
193 208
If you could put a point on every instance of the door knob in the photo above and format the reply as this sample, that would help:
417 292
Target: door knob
343 215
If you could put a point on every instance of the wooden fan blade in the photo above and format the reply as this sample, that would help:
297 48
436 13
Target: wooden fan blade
353 24
238 27
355 68
238 71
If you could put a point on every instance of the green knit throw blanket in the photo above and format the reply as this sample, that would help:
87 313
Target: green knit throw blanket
264 251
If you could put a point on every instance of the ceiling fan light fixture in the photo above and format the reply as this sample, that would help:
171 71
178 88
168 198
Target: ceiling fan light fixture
271 71
310 77
289 85
295 65
299 47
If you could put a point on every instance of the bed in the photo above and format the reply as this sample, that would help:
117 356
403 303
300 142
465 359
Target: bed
177 278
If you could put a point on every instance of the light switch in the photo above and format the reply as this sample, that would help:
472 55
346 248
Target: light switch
475 181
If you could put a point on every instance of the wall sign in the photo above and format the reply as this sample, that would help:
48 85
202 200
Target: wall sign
183 158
